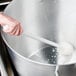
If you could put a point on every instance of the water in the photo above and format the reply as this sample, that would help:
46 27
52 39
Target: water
45 55
49 54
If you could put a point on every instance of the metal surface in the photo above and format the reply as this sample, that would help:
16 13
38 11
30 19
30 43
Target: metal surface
50 19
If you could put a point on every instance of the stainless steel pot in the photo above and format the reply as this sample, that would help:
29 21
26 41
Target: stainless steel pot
50 19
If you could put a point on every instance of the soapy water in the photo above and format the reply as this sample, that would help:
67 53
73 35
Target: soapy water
65 52
54 55
45 55
48 55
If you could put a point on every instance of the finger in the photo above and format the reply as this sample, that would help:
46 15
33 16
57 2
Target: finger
7 28
13 28
14 31
16 25
17 31
21 30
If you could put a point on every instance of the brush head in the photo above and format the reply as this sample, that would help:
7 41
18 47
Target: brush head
3 4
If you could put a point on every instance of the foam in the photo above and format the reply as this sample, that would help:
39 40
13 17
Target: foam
65 53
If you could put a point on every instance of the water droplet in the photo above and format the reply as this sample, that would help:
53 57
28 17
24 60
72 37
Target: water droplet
55 56
53 50
52 56
48 59
54 62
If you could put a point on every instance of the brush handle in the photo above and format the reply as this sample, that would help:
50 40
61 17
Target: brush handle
46 41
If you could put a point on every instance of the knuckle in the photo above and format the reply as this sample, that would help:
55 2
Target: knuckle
17 23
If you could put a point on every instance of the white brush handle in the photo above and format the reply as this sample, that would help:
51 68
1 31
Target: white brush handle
42 39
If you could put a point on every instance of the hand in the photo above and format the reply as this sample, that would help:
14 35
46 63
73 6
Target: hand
13 27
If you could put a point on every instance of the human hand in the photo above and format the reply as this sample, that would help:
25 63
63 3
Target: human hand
10 25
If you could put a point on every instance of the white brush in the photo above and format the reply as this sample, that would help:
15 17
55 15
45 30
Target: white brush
43 40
